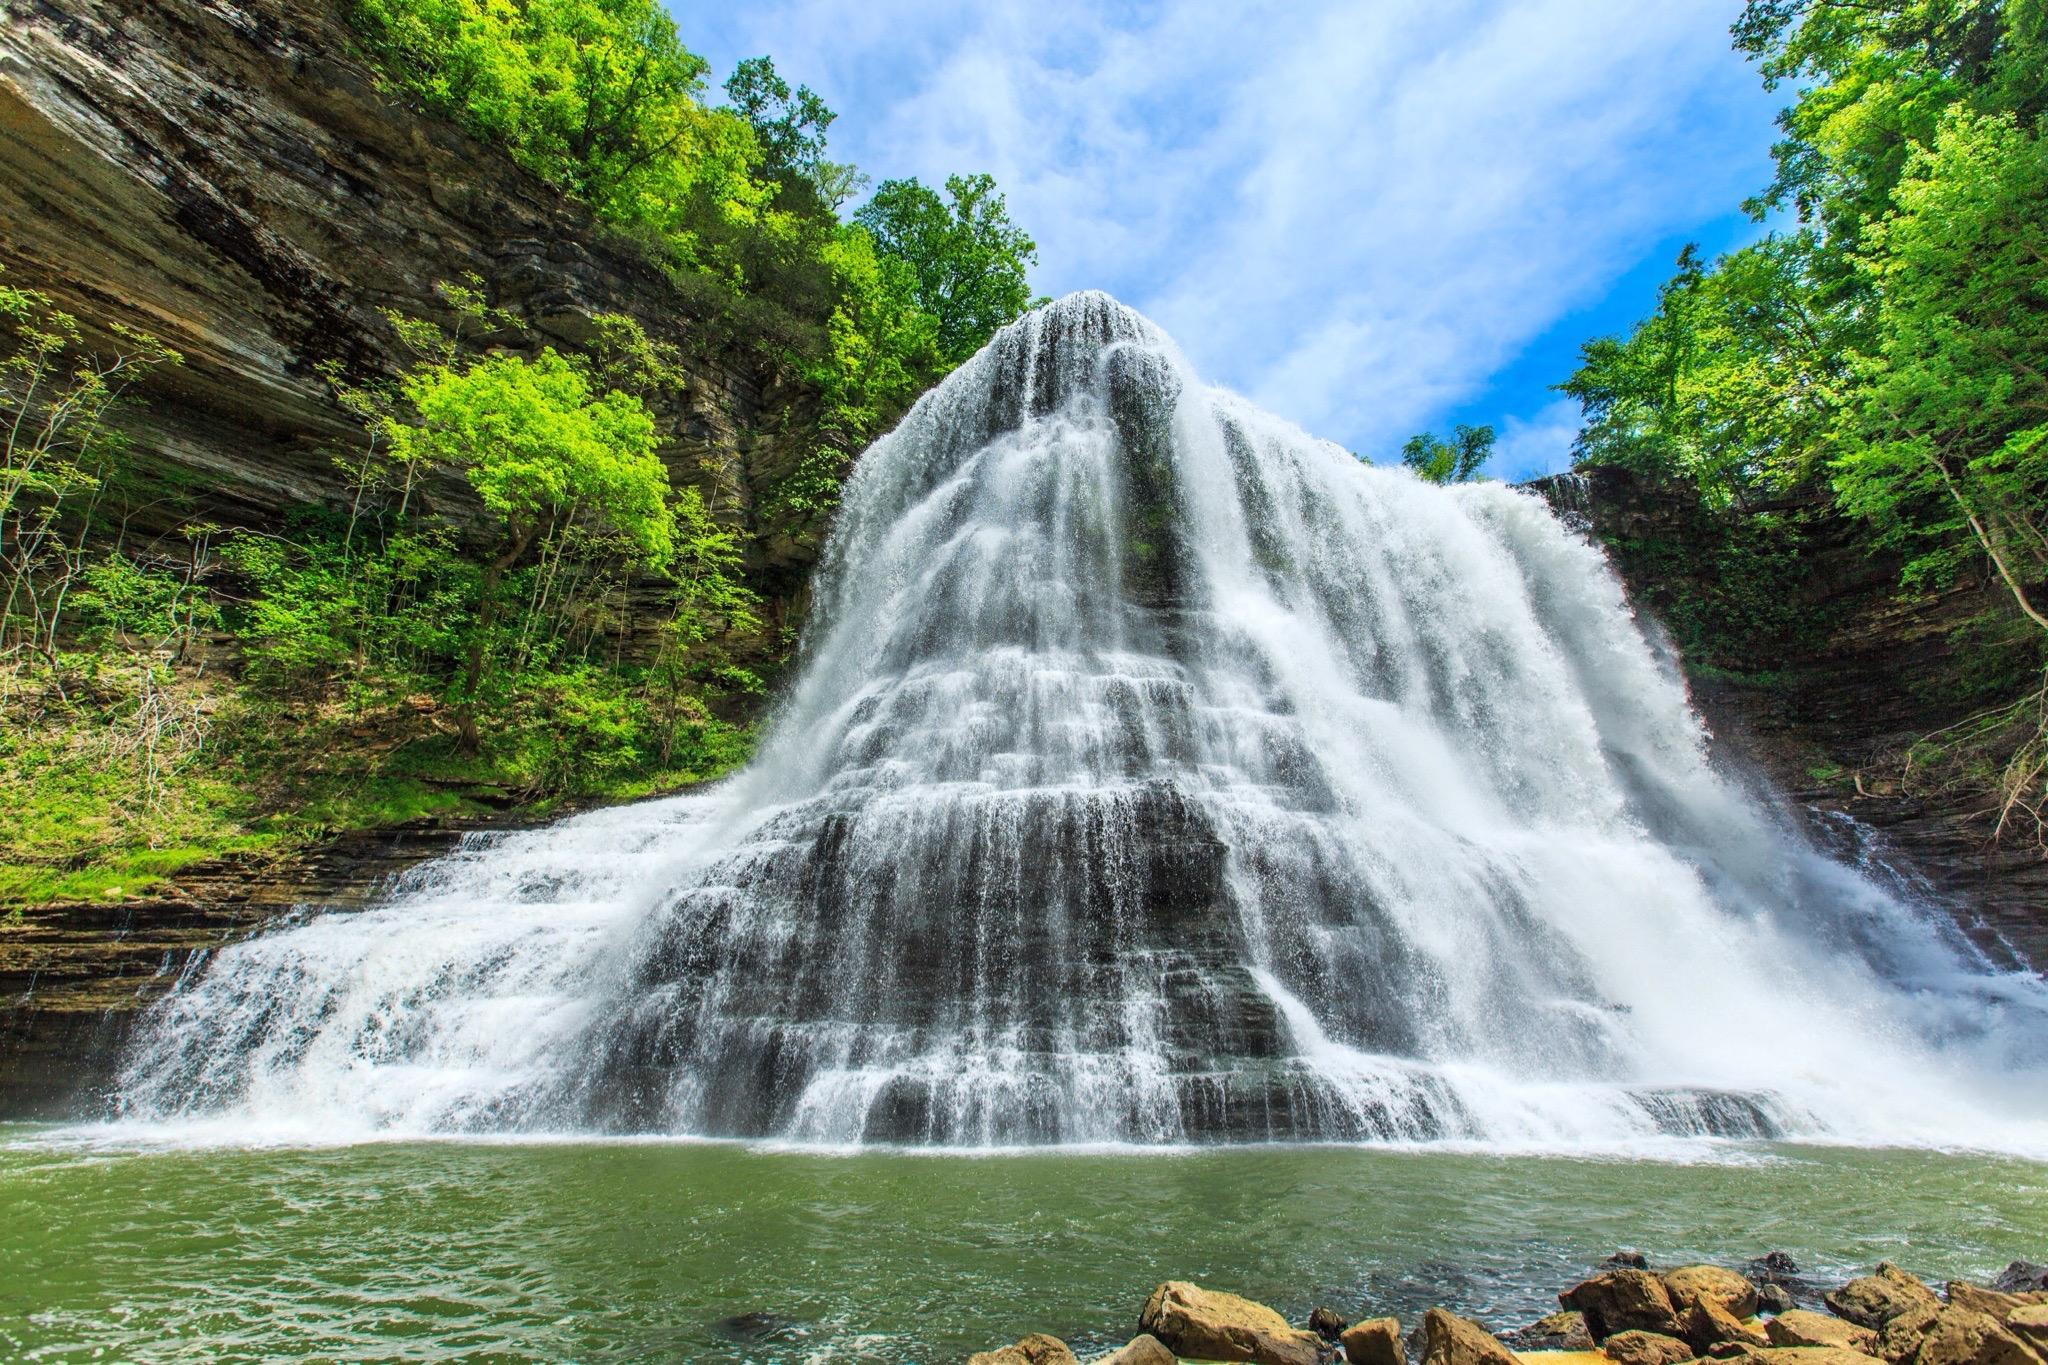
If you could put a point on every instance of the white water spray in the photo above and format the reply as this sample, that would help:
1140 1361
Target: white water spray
1155 773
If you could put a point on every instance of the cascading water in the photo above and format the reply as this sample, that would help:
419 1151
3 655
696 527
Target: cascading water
1154 773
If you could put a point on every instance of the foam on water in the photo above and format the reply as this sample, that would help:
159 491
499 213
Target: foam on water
1154 774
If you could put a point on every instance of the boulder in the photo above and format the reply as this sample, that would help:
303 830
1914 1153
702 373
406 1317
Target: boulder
1145 1350
1451 1340
1963 1336
2030 1324
1877 1298
1798 1327
1192 1321
1564 1330
1628 1259
1326 1323
2021 1277
1807 1355
1036 1349
1376 1341
1899 1340
1692 1284
1708 1324
1623 1301
1645 1348
1772 1297
1994 1303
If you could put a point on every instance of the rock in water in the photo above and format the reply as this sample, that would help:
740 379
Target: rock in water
1645 1348
2022 1277
1624 1301
1877 1298
1192 1321
1375 1341
1564 1330
1775 1298
1036 1349
1326 1323
1798 1327
1142 1350
1692 1284
1709 1326
1451 1340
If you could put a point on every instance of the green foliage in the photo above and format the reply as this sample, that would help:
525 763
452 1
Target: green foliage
1730 384
790 128
1457 460
967 259
540 449
1949 415
59 444
1890 347
601 98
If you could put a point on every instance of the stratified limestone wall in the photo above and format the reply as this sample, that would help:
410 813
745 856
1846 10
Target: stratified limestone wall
225 175
1819 714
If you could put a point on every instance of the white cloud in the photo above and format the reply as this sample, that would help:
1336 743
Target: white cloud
1530 446
1355 213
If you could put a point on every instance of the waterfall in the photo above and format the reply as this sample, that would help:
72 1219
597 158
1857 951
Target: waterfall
1153 773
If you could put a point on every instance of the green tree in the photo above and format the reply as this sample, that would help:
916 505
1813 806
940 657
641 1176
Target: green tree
791 127
970 263
542 453
1457 460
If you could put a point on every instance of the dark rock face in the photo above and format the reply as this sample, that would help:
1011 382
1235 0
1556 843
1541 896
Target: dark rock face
225 176
73 978
1813 715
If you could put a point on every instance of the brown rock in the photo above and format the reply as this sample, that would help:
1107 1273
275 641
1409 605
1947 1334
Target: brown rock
1963 1336
1690 1284
1145 1350
1645 1348
1036 1349
1623 1301
2029 1323
1708 1324
1992 1303
1193 1321
1451 1340
1899 1340
1798 1327
1877 1298
1376 1341
1326 1323
1808 1355
1564 1330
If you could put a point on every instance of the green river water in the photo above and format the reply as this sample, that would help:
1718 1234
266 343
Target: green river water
627 1251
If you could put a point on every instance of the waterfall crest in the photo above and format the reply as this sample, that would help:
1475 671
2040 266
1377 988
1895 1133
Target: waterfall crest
1154 773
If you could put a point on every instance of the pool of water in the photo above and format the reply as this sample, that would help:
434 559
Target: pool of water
112 1248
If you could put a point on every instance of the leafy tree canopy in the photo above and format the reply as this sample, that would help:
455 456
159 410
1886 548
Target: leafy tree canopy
969 263
1457 460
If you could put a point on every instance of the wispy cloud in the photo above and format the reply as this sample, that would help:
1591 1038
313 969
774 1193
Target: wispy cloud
1354 213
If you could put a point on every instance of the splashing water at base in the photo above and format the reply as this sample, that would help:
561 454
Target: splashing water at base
1154 774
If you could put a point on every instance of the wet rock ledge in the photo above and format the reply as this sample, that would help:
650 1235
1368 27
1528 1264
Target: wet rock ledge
1626 1314
73 977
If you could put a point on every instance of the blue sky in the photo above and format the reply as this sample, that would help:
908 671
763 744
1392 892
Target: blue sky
1372 218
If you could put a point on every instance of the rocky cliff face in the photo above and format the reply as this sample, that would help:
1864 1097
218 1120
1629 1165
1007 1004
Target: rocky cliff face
1828 716
223 174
